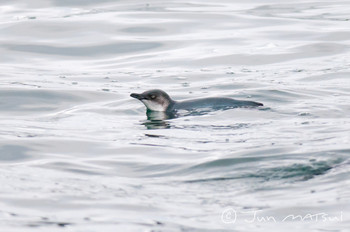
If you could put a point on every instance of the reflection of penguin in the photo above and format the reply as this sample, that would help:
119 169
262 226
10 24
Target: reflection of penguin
158 100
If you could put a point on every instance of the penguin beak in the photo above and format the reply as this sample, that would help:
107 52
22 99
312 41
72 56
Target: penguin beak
137 96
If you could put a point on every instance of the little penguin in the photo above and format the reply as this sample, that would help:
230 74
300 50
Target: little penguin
158 100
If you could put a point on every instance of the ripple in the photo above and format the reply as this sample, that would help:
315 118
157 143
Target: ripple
13 153
42 101
85 51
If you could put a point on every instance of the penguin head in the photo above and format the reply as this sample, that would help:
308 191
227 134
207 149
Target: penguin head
154 100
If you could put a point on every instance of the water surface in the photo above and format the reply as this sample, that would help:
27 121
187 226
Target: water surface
78 154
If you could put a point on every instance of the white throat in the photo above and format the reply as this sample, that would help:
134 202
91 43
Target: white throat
152 105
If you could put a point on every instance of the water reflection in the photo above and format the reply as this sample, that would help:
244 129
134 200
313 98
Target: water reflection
157 119
158 115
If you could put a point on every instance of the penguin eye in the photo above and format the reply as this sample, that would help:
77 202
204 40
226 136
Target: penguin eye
153 96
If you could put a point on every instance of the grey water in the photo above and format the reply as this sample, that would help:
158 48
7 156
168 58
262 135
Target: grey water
77 153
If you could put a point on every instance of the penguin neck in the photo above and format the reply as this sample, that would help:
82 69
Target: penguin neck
171 105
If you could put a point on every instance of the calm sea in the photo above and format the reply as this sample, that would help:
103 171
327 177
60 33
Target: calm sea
77 153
